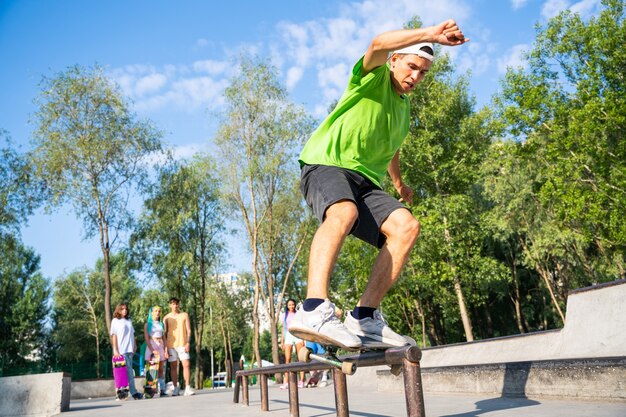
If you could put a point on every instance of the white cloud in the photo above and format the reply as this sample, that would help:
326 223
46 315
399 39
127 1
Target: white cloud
149 84
518 4
153 89
334 77
210 66
189 151
553 7
331 46
294 74
585 8
514 58
476 57
323 50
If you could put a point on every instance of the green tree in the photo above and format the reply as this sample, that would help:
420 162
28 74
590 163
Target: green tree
258 140
79 330
446 144
229 327
569 110
91 151
19 193
24 307
180 234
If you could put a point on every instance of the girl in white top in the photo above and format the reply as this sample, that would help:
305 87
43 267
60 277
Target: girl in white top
289 340
123 343
153 334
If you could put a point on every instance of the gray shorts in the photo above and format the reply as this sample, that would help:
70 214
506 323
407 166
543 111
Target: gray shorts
322 186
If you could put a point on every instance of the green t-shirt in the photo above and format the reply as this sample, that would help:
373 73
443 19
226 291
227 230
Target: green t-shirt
365 129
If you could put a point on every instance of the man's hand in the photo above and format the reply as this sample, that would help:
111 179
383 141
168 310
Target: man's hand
187 347
406 194
448 33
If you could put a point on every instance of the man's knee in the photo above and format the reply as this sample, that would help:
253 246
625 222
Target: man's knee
413 228
342 215
402 226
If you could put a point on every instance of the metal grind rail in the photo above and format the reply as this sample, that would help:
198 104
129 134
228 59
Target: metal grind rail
406 358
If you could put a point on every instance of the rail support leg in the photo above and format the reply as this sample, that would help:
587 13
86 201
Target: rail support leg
341 393
236 390
264 400
244 385
413 389
294 406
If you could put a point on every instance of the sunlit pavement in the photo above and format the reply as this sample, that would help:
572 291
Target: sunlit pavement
318 402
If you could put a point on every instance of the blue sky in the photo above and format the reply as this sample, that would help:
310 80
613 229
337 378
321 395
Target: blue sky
173 60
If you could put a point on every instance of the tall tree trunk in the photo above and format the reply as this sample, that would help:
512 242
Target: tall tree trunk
458 289
467 322
517 299
95 325
104 245
229 354
255 320
420 313
546 279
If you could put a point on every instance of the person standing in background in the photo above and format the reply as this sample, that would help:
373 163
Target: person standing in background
123 343
153 334
178 341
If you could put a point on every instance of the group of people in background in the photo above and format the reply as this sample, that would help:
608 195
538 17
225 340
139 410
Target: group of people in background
167 338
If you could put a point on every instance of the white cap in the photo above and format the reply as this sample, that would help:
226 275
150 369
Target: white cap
417 50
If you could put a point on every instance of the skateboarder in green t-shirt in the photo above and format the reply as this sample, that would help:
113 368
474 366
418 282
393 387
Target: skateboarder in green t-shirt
343 164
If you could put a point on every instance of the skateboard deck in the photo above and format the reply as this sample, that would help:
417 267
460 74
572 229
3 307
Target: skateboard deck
314 379
120 376
152 375
305 354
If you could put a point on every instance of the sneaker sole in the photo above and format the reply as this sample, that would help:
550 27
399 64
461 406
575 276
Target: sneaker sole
313 336
370 343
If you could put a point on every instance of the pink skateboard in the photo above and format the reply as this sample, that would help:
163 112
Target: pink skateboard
120 376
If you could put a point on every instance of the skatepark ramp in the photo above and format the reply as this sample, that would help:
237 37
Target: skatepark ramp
586 359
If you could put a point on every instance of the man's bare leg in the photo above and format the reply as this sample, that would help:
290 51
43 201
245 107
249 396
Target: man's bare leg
316 319
327 242
187 373
174 373
401 230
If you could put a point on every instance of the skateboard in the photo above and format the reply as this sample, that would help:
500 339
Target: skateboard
120 376
314 379
152 375
348 367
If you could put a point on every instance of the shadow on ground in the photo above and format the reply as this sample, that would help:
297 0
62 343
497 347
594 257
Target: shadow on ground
496 404
332 411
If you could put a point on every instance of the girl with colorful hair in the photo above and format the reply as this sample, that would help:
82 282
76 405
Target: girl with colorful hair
153 334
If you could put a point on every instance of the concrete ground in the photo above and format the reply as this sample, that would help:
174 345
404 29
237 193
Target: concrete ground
319 402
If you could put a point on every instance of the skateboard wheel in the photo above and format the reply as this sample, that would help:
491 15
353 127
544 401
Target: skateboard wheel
348 368
396 369
304 354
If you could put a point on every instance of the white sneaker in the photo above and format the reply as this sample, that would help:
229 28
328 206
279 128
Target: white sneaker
322 384
375 330
322 325
188 391
176 391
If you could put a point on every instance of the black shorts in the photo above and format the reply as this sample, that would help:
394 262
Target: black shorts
322 186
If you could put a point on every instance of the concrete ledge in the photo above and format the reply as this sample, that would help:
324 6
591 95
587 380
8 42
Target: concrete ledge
97 388
594 328
584 379
35 395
